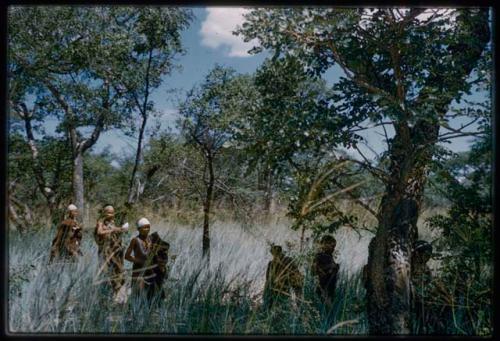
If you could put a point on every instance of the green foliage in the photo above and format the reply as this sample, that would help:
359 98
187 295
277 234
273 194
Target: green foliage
207 111
171 170
149 41
399 67
104 182
55 157
290 115
465 243
379 53
56 54
292 128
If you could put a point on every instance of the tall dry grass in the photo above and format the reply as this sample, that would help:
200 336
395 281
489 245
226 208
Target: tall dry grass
223 298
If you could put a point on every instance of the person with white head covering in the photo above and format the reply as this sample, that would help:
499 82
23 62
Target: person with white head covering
66 244
110 250
140 246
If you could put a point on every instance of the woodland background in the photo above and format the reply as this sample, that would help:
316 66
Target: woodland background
268 157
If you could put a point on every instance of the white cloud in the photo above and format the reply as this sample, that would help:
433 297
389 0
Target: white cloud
216 30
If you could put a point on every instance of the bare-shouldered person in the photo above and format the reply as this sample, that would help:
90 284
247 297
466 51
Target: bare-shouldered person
110 250
138 252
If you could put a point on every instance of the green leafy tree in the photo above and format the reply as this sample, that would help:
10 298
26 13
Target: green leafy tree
207 114
58 57
292 129
26 203
143 62
400 68
465 241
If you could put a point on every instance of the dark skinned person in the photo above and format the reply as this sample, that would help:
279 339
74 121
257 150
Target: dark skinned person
110 250
150 257
139 253
282 277
160 259
326 270
66 244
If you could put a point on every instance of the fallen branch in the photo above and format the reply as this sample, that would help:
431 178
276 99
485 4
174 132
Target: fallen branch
341 324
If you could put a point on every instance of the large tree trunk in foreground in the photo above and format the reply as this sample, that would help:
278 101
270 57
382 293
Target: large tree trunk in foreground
389 259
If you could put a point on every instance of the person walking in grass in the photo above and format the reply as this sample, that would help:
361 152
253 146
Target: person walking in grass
66 244
282 277
159 258
109 243
140 246
326 270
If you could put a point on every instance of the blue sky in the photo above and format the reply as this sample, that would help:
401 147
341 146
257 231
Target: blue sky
209 41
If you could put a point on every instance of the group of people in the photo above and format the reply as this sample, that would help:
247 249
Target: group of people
283 278
147 252
149 255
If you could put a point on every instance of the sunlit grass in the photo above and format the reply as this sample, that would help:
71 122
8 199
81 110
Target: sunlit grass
224 298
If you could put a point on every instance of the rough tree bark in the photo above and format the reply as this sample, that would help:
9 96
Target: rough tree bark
78 189
389 259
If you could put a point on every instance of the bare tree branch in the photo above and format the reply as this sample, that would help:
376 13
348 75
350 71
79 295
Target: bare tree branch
449 136
356 199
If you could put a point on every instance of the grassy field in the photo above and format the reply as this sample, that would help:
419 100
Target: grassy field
224 298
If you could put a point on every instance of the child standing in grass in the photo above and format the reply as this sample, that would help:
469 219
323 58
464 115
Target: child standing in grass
140 246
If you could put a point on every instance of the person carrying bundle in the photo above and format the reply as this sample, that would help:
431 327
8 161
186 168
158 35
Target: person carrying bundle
66 243
282 277
109 242
140 246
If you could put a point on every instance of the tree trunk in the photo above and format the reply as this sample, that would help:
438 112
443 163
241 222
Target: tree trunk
134 197
206 209
49 192
133 189
268 192
14 217
389 259
302 236
78 189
